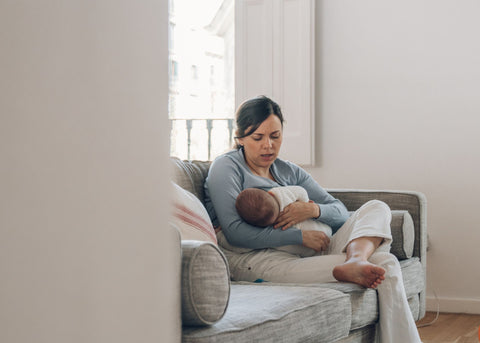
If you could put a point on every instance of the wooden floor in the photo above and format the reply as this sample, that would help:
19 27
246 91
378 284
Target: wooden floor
450 328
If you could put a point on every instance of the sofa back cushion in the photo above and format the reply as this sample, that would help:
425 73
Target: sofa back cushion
190 175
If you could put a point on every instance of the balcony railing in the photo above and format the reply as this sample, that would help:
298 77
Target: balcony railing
201 139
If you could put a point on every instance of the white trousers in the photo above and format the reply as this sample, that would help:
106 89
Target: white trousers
396 323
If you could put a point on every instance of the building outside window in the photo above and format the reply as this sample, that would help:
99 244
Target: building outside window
201 91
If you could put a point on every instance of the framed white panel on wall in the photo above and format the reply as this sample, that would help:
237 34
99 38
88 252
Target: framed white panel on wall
253 48
275 47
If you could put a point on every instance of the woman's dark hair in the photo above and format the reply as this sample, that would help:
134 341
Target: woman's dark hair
252 113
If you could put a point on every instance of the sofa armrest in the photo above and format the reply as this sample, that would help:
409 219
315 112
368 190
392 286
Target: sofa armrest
205 283
413 202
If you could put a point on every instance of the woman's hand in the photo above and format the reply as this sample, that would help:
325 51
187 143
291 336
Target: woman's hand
295 213
316 240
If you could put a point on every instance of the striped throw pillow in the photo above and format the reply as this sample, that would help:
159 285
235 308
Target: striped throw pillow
191 217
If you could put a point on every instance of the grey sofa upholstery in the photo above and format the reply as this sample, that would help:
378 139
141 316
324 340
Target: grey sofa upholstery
329 312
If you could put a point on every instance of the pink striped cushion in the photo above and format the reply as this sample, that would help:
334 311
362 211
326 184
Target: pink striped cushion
191 217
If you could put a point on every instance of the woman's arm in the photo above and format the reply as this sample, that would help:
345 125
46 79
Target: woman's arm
223 184
332 211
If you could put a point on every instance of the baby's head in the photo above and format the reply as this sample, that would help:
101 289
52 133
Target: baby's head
257 207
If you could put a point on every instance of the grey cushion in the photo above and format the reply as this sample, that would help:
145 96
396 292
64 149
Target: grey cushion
363 301
190 175
205 283
363 335
275 313
413 276
403 234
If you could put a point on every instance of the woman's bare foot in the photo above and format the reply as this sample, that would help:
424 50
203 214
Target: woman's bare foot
360 272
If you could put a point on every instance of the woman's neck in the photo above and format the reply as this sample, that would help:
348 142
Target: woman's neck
263 172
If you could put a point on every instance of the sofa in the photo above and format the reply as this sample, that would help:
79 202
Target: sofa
217 309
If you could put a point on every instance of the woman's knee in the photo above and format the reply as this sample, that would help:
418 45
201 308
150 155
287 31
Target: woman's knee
376 207
377 204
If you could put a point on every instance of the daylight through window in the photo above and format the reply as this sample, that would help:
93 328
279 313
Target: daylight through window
201 83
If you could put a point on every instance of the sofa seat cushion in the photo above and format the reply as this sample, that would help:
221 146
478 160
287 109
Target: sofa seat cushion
277 313
364 302
365 334
413 276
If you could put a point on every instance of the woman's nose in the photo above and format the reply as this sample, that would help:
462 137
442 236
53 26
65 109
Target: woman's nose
268 142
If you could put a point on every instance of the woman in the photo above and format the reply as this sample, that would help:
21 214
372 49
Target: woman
358 251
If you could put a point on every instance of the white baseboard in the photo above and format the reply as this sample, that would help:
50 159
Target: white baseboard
453 305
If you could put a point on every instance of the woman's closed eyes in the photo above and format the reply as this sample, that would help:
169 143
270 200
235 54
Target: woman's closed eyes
258 137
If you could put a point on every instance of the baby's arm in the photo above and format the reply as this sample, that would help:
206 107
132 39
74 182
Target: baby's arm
299 193
285 195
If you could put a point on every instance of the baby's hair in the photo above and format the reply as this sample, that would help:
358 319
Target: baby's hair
256 207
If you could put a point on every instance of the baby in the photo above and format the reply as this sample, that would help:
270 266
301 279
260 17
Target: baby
261 208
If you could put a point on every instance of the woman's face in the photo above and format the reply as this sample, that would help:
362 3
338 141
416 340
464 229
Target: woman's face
263 145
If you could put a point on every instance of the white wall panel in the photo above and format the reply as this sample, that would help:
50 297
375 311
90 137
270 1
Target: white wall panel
85 250
275 57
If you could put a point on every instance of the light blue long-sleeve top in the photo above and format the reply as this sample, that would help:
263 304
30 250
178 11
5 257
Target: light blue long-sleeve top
229 175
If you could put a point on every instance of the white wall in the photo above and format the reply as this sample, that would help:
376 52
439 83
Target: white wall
398 108
83 185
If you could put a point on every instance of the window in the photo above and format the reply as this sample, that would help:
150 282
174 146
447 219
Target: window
194 72
229 51
212 75
201 98
171 35
173 72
